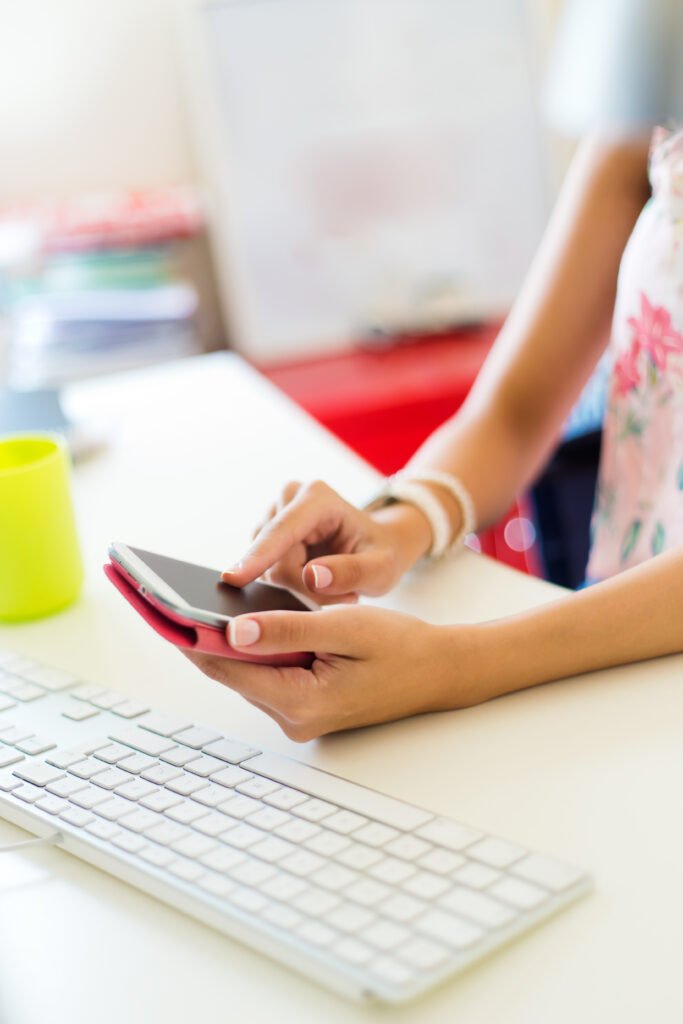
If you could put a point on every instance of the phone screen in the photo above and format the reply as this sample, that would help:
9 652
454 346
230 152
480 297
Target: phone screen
203 590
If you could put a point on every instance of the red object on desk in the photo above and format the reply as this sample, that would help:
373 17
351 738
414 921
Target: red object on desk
384 402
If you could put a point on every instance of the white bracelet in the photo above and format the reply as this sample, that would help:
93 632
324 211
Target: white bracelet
459 492
409 488
416 494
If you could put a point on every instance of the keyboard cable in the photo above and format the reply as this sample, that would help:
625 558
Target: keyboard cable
26 844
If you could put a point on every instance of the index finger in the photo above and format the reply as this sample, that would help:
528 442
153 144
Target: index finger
309 517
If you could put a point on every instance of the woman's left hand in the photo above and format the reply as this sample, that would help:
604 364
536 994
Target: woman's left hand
371 665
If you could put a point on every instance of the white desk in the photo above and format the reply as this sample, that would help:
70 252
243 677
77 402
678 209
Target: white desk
589 770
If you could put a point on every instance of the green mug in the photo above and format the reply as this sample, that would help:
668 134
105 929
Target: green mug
40 562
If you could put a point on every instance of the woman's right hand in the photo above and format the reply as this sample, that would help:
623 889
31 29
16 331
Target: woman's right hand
316 543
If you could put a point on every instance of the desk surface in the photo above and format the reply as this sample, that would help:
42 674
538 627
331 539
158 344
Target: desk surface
589 770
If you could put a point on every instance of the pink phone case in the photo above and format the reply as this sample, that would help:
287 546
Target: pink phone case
183 632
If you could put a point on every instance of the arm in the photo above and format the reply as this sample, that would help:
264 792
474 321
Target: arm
499 439
373 665
553 337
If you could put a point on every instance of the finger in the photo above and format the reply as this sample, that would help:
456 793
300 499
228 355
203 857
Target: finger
259 684
313 514
343 630
366 572
270 514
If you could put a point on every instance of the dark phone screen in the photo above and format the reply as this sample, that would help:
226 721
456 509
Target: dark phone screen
202 588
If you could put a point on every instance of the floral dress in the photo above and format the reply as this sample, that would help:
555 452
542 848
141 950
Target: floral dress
639 501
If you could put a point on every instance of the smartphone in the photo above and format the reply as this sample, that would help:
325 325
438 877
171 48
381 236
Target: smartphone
188 604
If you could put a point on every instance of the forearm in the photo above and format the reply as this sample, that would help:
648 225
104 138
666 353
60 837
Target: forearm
550 343
634 616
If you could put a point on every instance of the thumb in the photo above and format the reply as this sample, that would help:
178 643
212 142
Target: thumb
367 572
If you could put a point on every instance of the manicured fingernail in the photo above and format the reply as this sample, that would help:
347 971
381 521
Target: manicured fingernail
243 632
322 576
233 569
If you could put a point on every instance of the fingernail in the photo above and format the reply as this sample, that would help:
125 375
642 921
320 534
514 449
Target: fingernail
243 632
233 569
322 576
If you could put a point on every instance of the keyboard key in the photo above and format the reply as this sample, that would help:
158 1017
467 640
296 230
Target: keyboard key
426 885
186 784
135 764
86 691
345 822
37 773
333 877
477 876
388 969
252 873
375 834
314 810
112 753
129 842
239 806
549 874
248 899
302 863
210 824
160 774
242 836
495 852
27 692
204 766
52 804
359 856
178 756
107 699
478 908
49 678
402 908
350 918
230 777
353 951
285 799
78 711
298 831
447 833
140 820
160 801
87 768
216 885
8 782
283 887
64 758
442 862
271 849
111 779
142 741
196 737
386 935
76 816
257 787
102 829
423 953
316 902
113 808
228 750
328 844
8 757
163 725
14 734
167 833
522 895
450 930
194 846
130 709
367 892
392 870
6 704
187 812
89 797
65 786
315 933
209 796
159 856
269 819
222 858
136 789
282 917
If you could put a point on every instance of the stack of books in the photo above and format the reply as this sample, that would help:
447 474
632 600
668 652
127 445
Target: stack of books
102 290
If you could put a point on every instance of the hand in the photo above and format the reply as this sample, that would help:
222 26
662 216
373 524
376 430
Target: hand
371 665
315 543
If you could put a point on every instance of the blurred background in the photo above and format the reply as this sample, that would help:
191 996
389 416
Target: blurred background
346 192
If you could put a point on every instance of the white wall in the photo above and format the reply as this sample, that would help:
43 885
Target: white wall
92 95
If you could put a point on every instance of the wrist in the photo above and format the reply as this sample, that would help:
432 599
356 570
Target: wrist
469 660
408 530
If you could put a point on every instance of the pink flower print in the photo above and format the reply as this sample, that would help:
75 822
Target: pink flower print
626 369
654 333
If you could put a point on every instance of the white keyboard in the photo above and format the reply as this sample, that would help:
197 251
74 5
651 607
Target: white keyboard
368 895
